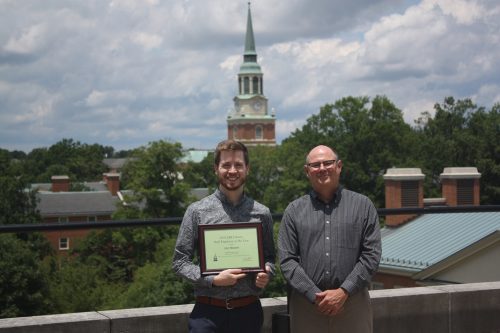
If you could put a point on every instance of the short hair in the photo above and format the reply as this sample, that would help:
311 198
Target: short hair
230 145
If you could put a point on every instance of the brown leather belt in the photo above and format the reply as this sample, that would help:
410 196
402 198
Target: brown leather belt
230 303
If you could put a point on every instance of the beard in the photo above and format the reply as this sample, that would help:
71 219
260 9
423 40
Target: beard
232 184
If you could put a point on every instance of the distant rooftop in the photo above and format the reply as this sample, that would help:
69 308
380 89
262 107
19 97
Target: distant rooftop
77 203
432 238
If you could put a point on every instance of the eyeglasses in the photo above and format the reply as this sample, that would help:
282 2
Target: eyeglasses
317 165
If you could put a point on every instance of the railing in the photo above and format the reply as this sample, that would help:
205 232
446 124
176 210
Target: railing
10 228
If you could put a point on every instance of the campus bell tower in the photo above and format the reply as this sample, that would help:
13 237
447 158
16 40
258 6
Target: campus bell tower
249 121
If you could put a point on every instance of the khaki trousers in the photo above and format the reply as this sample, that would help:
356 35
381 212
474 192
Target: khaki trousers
356 316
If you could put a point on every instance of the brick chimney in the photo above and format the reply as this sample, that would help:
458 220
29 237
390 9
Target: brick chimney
60 183
403 188
113 182
460 186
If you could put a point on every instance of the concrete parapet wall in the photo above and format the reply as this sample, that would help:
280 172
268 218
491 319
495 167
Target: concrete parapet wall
464 308
459 308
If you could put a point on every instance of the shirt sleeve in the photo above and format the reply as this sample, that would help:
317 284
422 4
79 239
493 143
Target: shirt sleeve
268 242
289 255
371 251
185 248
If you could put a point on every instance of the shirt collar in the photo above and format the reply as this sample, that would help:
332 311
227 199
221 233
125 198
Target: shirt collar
335 200
222 197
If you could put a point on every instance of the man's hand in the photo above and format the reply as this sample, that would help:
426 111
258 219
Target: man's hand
229 277
331 301
262 278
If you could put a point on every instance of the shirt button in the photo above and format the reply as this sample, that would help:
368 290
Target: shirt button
327 254
327 272
327 222
327 238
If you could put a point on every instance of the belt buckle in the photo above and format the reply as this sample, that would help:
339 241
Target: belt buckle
228 306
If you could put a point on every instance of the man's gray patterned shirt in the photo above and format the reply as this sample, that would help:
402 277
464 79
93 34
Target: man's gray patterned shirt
217 209
329 245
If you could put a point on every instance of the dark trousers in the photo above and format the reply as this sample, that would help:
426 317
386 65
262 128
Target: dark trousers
212 319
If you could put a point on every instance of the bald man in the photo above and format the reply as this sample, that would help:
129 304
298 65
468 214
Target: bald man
329 248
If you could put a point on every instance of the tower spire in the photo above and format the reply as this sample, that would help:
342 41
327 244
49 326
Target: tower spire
249 38
249 121
250 64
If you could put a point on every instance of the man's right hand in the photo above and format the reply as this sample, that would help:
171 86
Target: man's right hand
229 277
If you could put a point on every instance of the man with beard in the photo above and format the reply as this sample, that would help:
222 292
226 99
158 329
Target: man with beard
329 248
228 301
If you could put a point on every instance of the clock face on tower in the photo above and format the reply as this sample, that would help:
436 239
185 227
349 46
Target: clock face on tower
257 106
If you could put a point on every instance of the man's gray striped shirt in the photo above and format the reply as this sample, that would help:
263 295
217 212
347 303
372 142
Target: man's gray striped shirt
329 245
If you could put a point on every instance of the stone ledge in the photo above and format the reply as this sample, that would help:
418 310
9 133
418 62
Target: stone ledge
462 308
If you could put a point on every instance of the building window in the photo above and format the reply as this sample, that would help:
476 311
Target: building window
64 243
409 193
255 85
91 218
246 85
235 132
239 85
63 219
258 132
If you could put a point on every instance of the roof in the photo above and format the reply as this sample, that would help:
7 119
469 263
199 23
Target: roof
76 203
432 238
93 186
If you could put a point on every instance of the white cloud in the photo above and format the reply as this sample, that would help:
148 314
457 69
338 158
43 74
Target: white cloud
148 41
464 12
28 41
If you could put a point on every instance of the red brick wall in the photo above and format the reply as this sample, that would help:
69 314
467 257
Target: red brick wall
449 191
393 200
113 182
60 185
247 131
74 236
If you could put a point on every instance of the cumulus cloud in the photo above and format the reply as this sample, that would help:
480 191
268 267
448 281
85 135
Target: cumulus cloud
126 72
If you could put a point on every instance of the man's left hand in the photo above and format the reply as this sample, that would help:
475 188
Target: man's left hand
262 278
331 301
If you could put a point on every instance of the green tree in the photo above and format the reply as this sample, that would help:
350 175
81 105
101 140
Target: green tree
200 174
78 286
154 183
23 279
369 136
461 134
263 180
79 161
155 283
23 276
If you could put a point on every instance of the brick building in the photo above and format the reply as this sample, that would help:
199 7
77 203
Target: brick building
57 204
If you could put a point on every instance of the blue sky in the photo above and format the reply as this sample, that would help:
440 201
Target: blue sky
123 73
